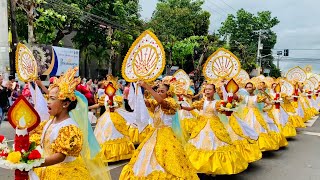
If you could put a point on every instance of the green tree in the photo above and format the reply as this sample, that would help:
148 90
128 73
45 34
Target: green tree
180 18
46 21
122 16
244 39
175 20
193 51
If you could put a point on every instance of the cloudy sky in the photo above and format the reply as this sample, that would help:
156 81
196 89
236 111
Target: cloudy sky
298 30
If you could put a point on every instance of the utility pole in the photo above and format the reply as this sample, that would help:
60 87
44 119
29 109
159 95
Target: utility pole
260 46
14 34
279 53
228 39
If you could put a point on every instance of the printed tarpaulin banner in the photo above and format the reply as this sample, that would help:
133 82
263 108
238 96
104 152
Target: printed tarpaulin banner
65 58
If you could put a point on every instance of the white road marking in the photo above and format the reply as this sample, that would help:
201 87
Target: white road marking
311 121
311 133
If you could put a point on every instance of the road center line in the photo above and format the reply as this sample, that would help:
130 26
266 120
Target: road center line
311 133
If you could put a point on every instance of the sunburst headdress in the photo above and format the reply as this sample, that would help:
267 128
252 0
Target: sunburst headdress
67 84
113 80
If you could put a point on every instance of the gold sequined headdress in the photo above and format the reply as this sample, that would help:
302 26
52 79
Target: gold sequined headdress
67 84
113 80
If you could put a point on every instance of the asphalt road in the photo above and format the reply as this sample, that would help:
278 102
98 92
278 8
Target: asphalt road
299 161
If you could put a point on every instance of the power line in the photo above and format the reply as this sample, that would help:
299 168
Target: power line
213 10
223 10
62 6
229 5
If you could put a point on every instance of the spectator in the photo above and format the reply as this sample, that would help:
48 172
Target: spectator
15 93
83 88
125 97
5 93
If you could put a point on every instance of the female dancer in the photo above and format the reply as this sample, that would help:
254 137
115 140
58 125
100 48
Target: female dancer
161 154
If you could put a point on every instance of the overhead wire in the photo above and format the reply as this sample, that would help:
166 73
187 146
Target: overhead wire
223 10
60 5
228 5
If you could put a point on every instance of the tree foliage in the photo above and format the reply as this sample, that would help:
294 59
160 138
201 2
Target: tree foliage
244 39
176 23
126 26
179 18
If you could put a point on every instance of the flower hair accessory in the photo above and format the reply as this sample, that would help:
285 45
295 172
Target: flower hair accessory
66 84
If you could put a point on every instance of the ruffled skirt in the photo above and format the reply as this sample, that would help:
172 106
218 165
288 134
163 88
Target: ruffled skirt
249 150
296 121
159 156
117 150
224 160
74 170
211 155
136 137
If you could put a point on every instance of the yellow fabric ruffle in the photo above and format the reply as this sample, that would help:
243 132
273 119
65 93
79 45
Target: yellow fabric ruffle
236 126
216 125
118 100
136 137
296 121
288 130
187 125
119 123
288 107
116 150
225 160
74 170
257 114
266 142
169 108
69 141
314 111
169 154
198 104
250 151
280 139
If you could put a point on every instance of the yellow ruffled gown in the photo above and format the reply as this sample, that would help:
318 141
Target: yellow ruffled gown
66 138
281 118
243 137
161 154
210 148
187 118
313 104
111 133
267 140
294 118
309 112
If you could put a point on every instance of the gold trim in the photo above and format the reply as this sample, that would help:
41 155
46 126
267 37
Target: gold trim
297 67
126 59
314 81
34 62
187 81
215 62
134 67
215 53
